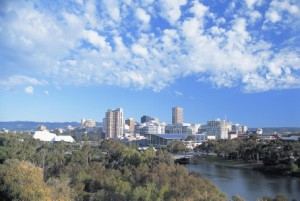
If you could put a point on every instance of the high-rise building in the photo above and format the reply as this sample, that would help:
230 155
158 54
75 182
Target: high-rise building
114 123
177 115
145 119
130 122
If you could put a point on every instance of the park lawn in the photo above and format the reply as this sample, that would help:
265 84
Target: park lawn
224 162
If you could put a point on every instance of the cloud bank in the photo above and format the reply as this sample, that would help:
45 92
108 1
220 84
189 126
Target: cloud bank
150 44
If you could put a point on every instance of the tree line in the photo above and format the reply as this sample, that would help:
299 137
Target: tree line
276 155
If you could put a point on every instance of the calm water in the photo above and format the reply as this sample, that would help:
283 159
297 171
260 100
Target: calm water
248 183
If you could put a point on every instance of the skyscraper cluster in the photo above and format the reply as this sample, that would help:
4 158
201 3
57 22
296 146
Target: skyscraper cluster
114 126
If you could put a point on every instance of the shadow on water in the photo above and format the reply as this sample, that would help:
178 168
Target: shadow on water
249 184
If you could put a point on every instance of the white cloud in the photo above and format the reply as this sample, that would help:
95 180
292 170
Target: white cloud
113 9
20 80
138 49
273 16
178 93
46 92
104 42
95 39
252 3
230 8
293 9
199 10
190 28
285 11
170 39
142 15
255 15
217 30
28 90
258 83
170 9
238 36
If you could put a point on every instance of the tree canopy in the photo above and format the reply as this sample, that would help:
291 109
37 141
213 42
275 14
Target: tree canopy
33 170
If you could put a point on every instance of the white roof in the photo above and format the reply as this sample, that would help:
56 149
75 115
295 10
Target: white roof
66 138
44 135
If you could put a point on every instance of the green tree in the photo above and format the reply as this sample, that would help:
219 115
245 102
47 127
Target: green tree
60 189
237 198
280 197
131 157
113 151
3 154
265 198
177 146
54 162
190 138
22 181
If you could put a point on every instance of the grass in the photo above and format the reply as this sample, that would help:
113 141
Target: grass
220 161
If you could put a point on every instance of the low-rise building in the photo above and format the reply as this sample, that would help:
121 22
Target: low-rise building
239 128
46 136
184 128
162 140
89 123
291 138
218 129
259 131
150 127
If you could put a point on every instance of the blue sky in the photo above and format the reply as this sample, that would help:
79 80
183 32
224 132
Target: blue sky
216 59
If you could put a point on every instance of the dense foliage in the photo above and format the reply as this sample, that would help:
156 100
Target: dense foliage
108 170
177 146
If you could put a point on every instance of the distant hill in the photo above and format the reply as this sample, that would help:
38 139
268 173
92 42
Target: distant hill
271 130
32 125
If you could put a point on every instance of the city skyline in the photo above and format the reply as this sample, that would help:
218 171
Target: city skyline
240 60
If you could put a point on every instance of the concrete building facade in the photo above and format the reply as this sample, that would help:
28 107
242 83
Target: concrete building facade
177 115
154 126
114 123
145 119
87 123
218 129
184 128
131 123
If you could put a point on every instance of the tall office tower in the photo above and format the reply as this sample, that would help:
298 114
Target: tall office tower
145 119
177 115
114 123
131 123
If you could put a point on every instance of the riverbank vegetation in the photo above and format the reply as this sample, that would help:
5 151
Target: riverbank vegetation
221 161
273 156
107 170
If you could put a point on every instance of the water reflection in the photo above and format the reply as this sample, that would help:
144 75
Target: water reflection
248 183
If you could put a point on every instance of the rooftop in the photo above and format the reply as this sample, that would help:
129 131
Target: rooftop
172 136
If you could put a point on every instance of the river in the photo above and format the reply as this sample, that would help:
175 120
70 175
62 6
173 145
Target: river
249 184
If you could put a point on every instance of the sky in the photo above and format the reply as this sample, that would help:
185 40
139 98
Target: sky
237 60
